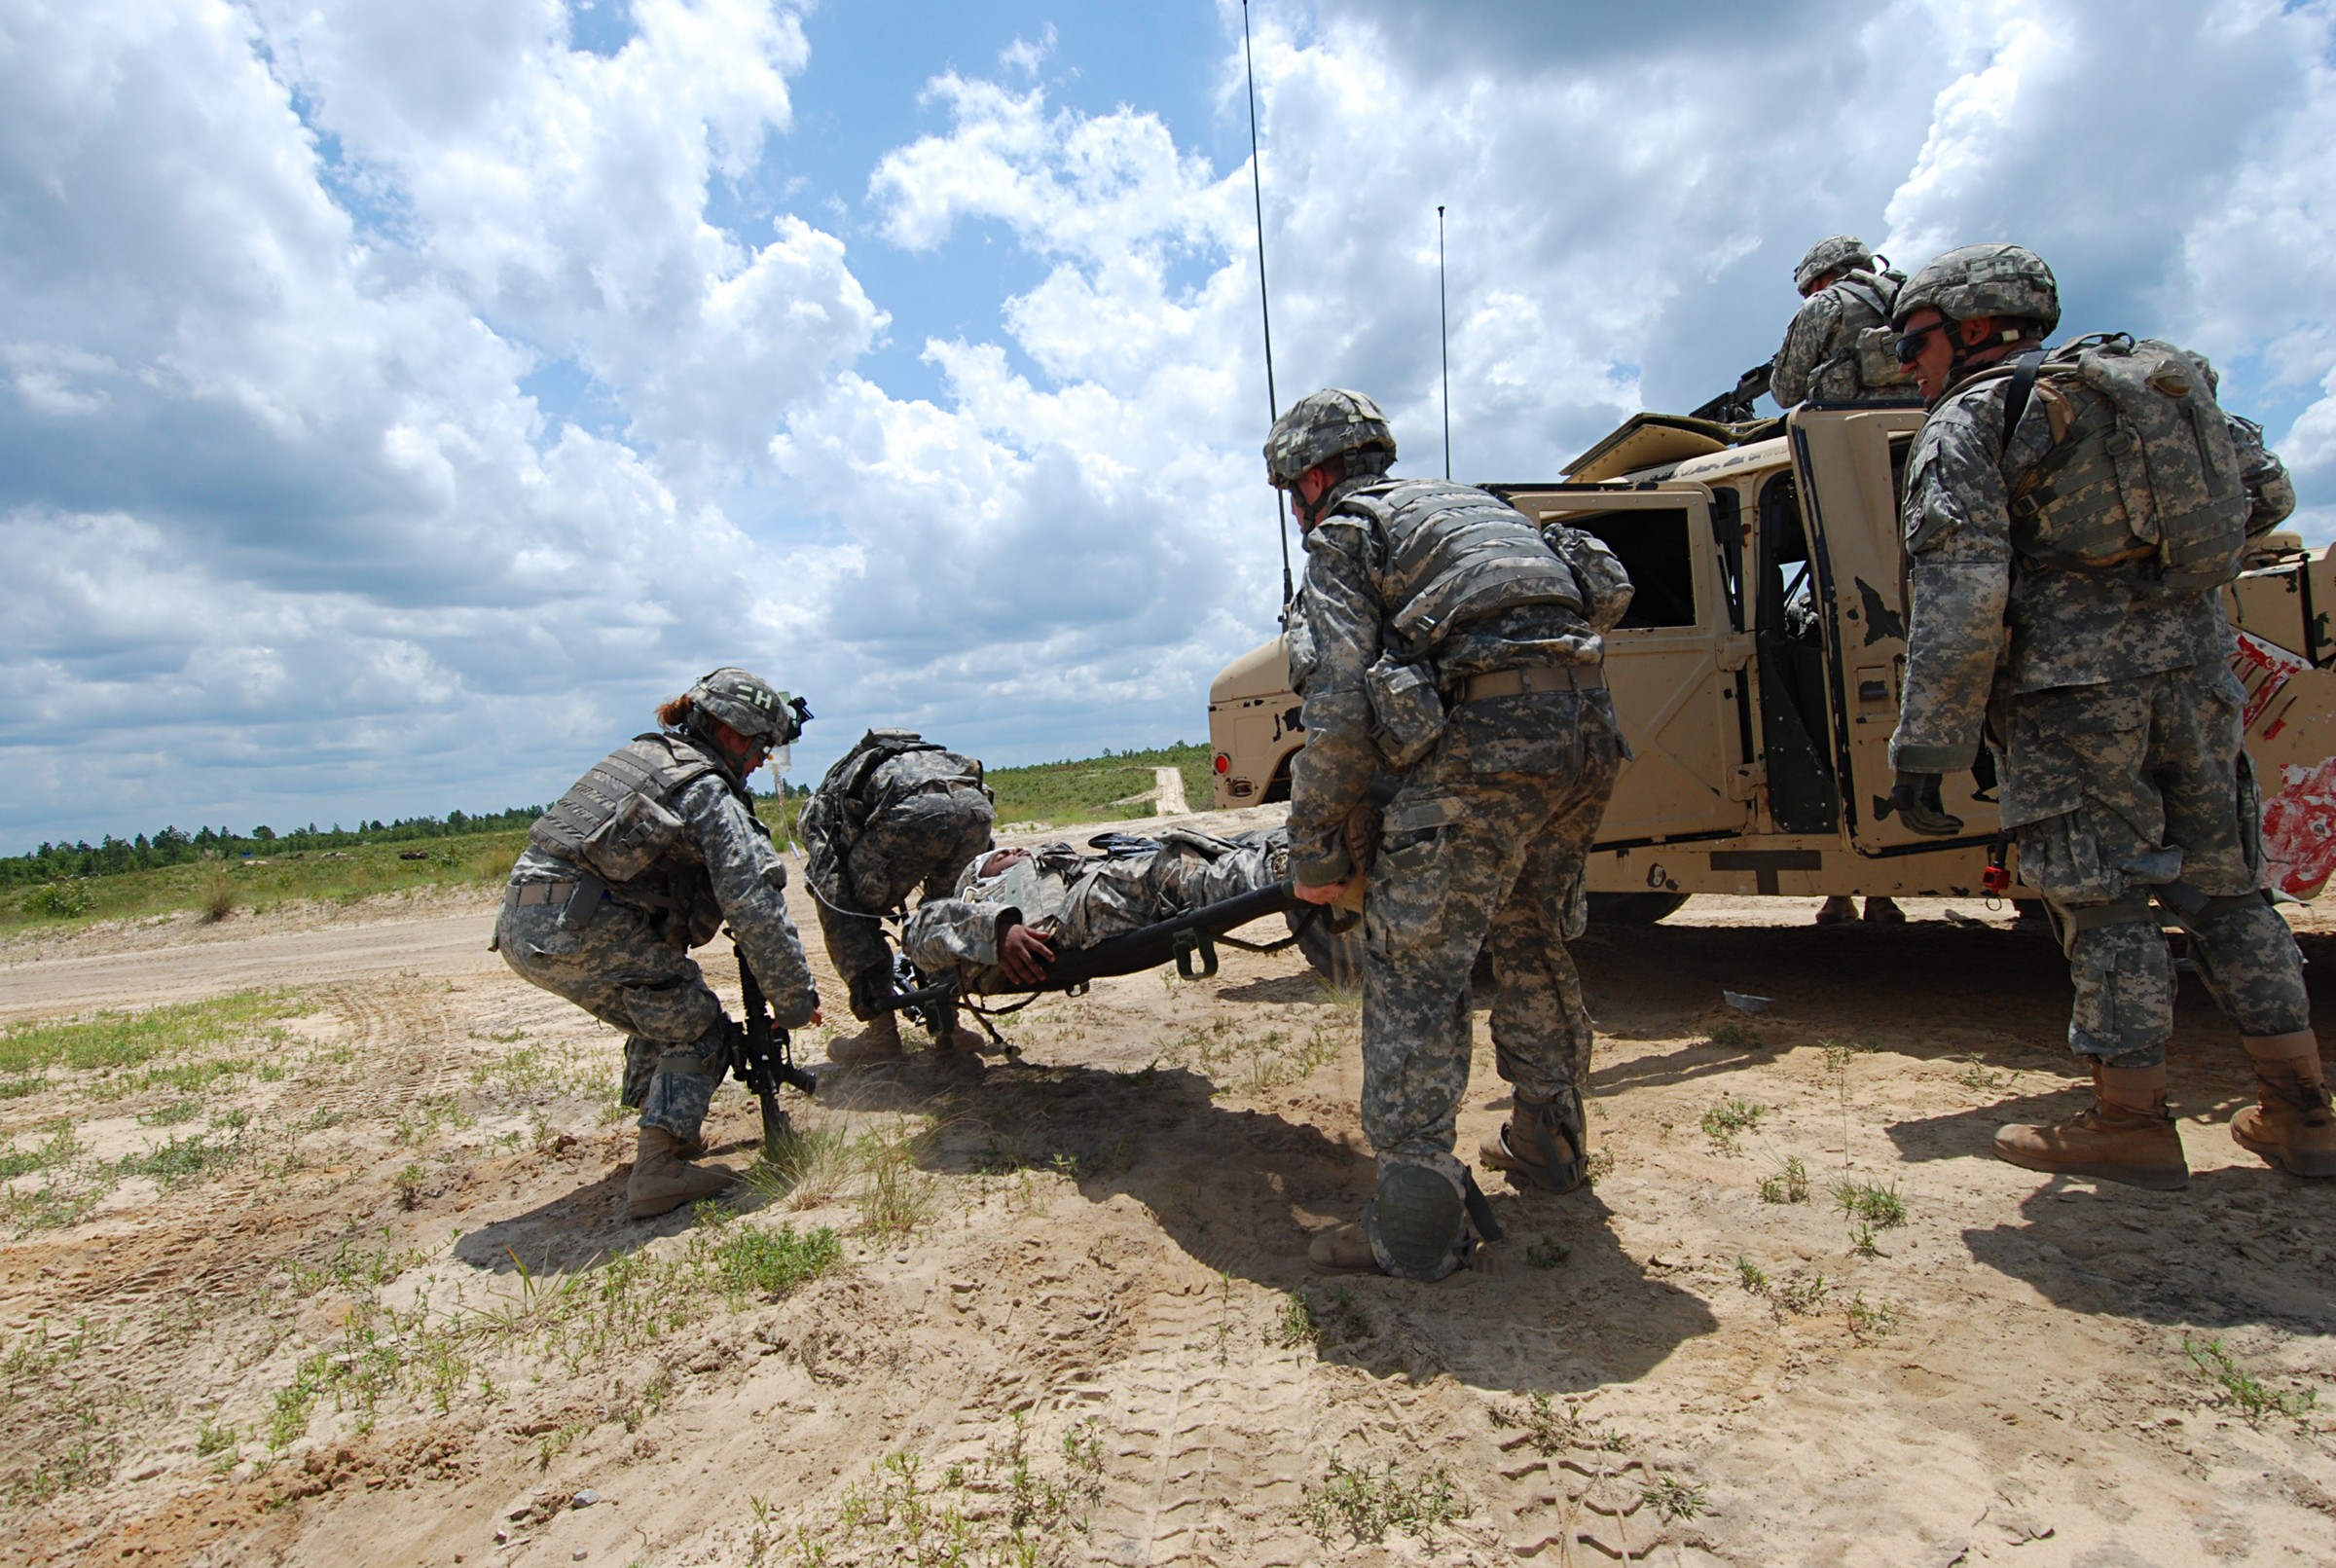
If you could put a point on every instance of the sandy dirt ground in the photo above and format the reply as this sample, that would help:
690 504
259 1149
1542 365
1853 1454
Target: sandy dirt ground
348 1281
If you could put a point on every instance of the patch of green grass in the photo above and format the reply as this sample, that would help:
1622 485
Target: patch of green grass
60 1148
1729 1121
1546 1253
896 1196
1366 1503
176 1160
1751 1276
1735 1037
1001 1510
1788 1186
2249 1394
1303 1322
1674 1499
1551 1431
750 1261
1869 1203
1801 1294
419 1124
1977 1076
121 1039
1093 790
1869 1321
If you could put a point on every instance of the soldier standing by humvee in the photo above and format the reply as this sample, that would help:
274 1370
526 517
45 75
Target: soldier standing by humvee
2093 500
897 814
1442 637
646 856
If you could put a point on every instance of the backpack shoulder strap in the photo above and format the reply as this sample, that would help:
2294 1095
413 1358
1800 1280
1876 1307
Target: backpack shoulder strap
2023 384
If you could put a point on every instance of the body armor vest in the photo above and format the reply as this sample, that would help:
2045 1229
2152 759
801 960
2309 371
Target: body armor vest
617 820
2141 469
1865 359
1455 554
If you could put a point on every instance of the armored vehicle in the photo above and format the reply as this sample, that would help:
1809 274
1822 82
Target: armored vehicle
1758 672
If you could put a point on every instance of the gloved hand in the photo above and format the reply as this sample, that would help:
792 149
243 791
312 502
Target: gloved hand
1915 799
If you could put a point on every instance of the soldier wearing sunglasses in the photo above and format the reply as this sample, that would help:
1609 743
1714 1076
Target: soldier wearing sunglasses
2069 519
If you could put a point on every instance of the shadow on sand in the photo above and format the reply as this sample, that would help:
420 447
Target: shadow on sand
1240 1191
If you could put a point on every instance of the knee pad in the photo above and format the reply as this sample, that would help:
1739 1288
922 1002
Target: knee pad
1417 1223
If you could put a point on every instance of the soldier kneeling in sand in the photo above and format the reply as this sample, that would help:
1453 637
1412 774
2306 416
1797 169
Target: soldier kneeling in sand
644 857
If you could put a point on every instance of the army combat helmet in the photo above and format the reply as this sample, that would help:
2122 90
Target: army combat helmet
1834 253
2010 281
749 705
1319 426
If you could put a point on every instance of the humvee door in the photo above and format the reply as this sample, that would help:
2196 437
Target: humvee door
1675 663
1849 468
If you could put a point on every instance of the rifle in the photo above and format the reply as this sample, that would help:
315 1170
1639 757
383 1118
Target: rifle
759 1059
1735 406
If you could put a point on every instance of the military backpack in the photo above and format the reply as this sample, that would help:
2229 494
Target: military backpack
836 816
2142 470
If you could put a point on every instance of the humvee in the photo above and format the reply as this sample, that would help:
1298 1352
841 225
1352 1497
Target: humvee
1756 673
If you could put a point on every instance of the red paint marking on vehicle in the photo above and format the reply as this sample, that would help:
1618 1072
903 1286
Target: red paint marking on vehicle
2272 664
2299 829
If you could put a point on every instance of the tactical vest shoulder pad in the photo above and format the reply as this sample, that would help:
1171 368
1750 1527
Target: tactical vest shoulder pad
618 820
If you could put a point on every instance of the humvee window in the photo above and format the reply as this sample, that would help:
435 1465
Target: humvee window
1654 549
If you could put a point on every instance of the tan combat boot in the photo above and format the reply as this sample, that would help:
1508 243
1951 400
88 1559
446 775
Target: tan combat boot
2294 1127
662 1180
1838 910
1536 1145
1885 912
2129 1135
880 1041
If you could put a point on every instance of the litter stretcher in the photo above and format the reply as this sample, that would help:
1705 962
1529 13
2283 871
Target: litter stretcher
1188 940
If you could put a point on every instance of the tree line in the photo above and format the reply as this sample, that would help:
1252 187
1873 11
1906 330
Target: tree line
175 846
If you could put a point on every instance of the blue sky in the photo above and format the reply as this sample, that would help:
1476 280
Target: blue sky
395 402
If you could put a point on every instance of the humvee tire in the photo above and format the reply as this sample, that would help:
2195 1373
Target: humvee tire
1633 908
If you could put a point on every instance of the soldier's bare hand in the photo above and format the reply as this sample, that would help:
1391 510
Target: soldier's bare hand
1024 955
1328 893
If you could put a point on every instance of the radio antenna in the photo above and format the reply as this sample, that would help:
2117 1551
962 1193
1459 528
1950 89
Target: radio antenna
1273 403
1444 328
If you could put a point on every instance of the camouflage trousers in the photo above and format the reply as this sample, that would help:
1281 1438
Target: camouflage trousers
1484 843
923 842
2140 790
617 969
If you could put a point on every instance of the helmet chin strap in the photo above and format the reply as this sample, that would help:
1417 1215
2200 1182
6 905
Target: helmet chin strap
1966 358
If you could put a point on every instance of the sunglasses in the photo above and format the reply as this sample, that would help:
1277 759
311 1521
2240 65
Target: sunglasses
1908 347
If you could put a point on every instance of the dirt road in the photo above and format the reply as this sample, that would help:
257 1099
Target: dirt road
441 942
346 1280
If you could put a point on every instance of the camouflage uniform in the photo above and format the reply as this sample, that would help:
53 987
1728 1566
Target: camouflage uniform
628 963
925 817
2117 720
1078 900
1818 361
1486 837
